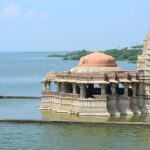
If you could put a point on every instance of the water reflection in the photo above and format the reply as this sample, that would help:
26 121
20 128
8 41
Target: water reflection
28 109
142 118
54 116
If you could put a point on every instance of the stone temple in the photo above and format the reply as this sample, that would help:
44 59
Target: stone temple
97 86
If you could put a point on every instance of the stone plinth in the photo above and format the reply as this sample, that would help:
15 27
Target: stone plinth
112 106
123 104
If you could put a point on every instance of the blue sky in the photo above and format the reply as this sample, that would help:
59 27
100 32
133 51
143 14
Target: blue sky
65 25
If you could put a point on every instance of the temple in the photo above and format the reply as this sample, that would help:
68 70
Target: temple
97 86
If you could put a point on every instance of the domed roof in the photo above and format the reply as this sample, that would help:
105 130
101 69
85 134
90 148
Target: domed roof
97 59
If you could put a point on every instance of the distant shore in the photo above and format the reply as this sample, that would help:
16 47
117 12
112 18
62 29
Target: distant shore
124 54
20 97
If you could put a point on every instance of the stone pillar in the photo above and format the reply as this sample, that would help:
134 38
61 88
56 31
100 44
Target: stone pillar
63 88
140 96
124 102
103 102
126 90
134 105
143 103
58 87
48 85
113 89
82 91
74 86
44 86
134 89
141 89
103 89
112 101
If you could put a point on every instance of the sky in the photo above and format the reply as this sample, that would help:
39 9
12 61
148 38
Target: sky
67 25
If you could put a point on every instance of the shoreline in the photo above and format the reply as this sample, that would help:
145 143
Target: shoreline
20 97
18 121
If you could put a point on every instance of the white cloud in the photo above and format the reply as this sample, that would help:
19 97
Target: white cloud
34 14
11 11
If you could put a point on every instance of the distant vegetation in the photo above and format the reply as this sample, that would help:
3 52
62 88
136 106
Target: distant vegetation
129 54
76 55
57 54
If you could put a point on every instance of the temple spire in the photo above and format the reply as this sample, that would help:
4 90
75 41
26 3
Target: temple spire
144 77
148 35
146 46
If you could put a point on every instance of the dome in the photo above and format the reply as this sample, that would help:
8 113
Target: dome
97 59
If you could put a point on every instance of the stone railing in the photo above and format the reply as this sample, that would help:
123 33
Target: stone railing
71 102
54 100
50 93
92 104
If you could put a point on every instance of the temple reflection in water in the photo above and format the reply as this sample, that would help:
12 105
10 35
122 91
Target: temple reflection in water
98 87
47 115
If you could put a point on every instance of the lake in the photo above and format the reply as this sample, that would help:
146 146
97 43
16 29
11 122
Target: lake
20 75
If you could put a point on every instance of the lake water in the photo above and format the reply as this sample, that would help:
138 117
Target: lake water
73 137
21 74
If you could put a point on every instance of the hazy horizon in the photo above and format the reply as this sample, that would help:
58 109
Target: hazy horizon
43 26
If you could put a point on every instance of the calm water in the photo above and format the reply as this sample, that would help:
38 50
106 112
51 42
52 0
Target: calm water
73 137
20 74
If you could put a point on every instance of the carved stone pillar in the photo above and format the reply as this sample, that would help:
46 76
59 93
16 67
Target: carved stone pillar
103 101
58 87
48 85
112 101
126 90
134 88
113 89
134 105
124 102
63 88
82 91
141 89
143 99
140 96
74 88
103 89
44 86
